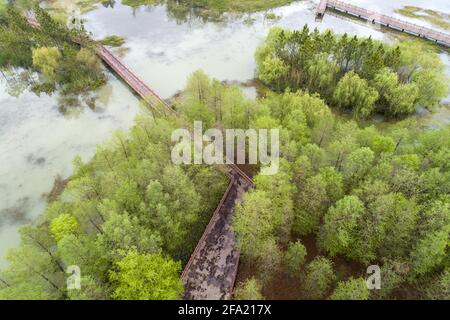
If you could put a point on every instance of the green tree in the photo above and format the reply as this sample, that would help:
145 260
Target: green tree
295 257
357 165
279 189
319 278
430 251
352 289
47 60
122 232
63 225
90 290
32 274
322 74
254 223
394 274
402 99
318 193
354 93
146 277
271 70
431 85
249 289
338 231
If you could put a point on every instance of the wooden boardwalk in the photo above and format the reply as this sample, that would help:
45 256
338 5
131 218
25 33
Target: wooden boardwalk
385 20
132 80
149 96
211 271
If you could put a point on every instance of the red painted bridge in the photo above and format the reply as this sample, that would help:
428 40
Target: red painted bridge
132 80
149 96
385 20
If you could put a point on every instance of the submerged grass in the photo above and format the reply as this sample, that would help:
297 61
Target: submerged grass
439 19
113 41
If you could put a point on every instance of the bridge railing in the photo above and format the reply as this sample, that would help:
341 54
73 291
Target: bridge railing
395 22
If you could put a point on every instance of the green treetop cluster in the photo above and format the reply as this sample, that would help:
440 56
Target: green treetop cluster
372 197
365 195
129 216
351 73
50 51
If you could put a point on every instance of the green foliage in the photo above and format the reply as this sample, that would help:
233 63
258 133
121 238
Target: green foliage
367 195
46 60
352 289
137 3
254 224
294 257
319 278
318 193
272 69
113 41
249 289
430 251
49 50
393 275
208 101
63 225
352 92
207 10
234 5
439 287
337 234
395 98
146 277
357 164
351 73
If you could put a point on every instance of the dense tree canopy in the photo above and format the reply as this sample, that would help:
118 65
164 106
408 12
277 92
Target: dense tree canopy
372 196
351 73
147 277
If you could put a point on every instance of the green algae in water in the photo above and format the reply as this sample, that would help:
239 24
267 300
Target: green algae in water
113 41
436 18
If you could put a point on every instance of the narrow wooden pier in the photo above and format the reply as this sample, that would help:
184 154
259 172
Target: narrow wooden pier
211 271
385 20
132 80
149 96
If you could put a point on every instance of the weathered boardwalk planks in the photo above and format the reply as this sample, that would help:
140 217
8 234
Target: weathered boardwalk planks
211 271
385 20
